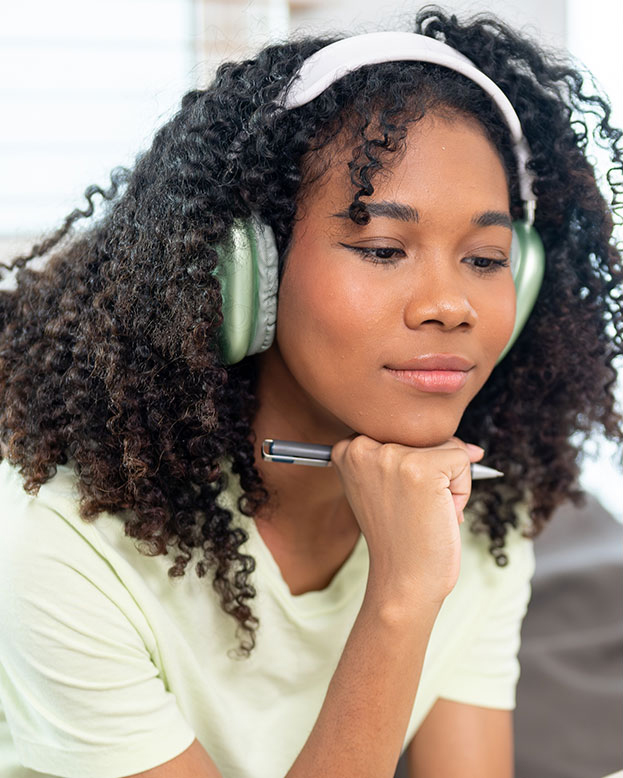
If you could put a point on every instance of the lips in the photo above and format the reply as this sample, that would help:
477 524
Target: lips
437 373
435 362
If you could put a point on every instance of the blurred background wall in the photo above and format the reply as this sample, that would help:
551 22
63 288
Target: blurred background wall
85 83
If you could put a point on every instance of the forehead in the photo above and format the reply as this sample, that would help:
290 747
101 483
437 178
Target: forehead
441 156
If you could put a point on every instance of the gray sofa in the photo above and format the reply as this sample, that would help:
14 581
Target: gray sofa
569 717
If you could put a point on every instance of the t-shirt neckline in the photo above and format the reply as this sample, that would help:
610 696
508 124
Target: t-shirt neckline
331 596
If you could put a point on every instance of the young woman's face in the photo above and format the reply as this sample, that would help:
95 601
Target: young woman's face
425 276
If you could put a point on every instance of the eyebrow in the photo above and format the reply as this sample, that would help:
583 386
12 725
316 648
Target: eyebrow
405 213
493 219
387 208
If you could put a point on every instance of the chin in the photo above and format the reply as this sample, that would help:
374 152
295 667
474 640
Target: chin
423 435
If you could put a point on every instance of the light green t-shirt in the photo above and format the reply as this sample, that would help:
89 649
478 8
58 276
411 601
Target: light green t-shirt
108 667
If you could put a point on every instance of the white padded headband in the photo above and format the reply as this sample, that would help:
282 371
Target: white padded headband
337 59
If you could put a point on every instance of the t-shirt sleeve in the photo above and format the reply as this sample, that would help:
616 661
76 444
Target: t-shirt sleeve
487 668
81 694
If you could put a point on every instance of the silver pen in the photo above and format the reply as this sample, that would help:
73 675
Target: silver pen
291 452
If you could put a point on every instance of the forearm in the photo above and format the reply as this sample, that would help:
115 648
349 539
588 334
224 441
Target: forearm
362 724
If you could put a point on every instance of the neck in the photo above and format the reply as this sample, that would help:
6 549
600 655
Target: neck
307 504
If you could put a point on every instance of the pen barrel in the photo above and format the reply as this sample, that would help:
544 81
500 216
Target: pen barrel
296 453
295 449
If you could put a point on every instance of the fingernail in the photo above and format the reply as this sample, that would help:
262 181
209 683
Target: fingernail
475 448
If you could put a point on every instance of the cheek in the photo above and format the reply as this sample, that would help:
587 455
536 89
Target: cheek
500 316
326 307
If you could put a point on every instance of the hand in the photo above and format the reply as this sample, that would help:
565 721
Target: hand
408 503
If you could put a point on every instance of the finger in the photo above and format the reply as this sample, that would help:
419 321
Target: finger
475 452
355 442
457 470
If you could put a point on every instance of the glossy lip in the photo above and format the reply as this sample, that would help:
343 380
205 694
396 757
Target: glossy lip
445 373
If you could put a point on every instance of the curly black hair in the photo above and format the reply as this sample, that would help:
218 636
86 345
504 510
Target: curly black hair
109 356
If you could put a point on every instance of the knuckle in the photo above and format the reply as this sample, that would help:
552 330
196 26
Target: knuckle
358 449
387 456
337 450
411 467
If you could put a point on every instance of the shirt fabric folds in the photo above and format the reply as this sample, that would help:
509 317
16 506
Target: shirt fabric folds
109 667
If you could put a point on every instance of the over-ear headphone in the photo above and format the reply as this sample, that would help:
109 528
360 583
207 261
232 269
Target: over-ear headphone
248 261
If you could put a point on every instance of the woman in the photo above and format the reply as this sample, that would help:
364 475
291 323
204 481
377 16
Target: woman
364 599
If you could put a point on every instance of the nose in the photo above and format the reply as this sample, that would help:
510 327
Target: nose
438 297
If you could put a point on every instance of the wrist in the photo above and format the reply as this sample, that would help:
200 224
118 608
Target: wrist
398 600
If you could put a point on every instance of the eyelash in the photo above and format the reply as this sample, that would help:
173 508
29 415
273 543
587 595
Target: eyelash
368 253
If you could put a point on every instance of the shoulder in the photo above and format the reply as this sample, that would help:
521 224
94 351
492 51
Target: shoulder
53 509
516 553
45 541
26 518
79 640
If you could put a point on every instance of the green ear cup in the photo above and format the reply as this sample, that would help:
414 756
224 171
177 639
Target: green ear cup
248 273
528 268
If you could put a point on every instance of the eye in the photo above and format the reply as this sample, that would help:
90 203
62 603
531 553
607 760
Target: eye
487 264
378 255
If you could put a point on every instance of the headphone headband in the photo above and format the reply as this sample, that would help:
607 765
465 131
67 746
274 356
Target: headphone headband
334 61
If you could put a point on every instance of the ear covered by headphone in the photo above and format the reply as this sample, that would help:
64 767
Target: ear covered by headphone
249 276
528 267
248 261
